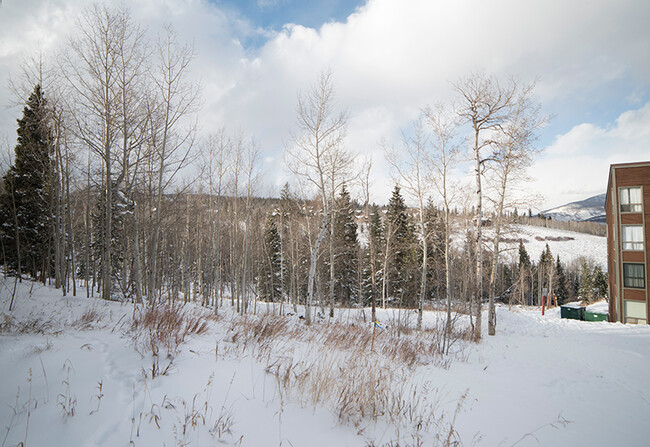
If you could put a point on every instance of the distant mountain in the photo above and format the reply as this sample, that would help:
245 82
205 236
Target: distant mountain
591 209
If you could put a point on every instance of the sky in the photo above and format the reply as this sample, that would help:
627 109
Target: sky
391 58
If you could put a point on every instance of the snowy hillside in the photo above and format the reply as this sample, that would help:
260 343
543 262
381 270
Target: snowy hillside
80 372
569 245
591 209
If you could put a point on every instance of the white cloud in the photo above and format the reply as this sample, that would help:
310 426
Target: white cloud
634 124
579 139
576 165
397 56
389 58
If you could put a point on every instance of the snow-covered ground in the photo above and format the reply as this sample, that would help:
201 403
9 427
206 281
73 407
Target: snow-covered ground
76 373
570 245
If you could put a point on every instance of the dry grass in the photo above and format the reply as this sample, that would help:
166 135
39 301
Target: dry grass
32 324
331 364
90 319
358 388
408 347
51 323
162 330
459 308
168 326
39 349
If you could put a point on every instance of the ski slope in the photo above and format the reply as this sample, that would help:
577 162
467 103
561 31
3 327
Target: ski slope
569 245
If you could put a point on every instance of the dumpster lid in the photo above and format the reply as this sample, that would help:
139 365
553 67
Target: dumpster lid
574 305
601 307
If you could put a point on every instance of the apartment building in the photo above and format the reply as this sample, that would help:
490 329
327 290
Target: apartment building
628 229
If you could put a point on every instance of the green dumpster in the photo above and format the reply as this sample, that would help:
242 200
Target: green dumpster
596 316
572 312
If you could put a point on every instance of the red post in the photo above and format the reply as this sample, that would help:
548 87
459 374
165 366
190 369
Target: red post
543 303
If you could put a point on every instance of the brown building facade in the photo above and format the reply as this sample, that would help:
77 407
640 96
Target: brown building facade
628 230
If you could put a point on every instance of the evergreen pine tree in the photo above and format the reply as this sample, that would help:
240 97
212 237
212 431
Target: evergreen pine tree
435 231
524 258
561 290
600 282
400 276
544 266
525 269
586 285
375 228
365 292
25 212
270 282
548 257
346 249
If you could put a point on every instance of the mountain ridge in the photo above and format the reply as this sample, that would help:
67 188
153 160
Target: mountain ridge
591 209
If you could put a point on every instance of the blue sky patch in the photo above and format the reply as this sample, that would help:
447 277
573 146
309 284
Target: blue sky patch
273 14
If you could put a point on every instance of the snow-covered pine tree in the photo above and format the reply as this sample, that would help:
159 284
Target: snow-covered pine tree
600 282
25 208
586 285
271 271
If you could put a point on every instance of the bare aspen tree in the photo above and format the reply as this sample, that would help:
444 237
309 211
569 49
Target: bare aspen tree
444 157
290 237
332 260
243 166
413 168
88 237
175 100
317 154
57 174
484 106
132 86
68 233
513 154
389 233
251 161
236 170
365 186
215 159
91 70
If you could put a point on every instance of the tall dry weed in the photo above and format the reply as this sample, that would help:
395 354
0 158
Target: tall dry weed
160 331
332 364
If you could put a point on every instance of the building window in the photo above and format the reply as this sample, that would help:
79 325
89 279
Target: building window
633 276
635 312
632 237
631 200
